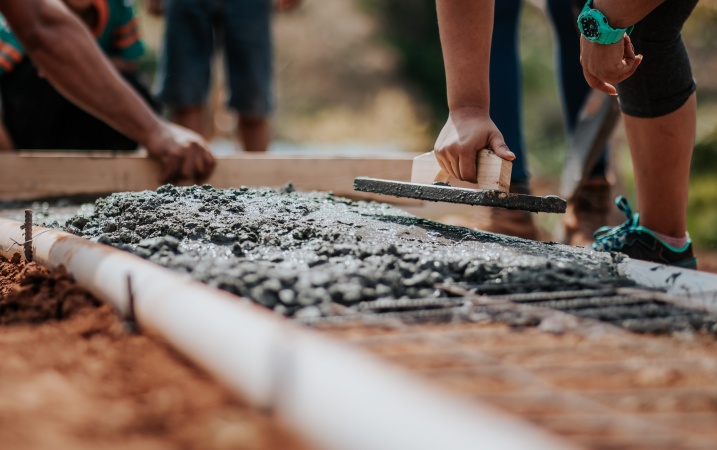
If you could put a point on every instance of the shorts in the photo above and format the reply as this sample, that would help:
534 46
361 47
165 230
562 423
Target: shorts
38 117
194 28
663 82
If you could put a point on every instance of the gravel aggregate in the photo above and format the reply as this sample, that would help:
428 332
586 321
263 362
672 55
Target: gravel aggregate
301 253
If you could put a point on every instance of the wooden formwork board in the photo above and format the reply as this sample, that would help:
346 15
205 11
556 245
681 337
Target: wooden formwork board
36 175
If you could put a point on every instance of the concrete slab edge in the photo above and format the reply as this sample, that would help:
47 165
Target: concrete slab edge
695 288
336 396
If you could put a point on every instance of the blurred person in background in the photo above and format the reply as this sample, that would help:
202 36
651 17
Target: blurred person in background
242 29
30 103
64 51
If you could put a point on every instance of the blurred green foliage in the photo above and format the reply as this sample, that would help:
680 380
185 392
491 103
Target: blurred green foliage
704 159
702 219
702 208
411 27
700 36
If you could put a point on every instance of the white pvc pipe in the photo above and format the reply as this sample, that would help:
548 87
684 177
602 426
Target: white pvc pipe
692 286
336 396
203 323
344 399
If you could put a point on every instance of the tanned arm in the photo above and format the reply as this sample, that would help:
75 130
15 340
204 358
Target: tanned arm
466 28
604 66
66 53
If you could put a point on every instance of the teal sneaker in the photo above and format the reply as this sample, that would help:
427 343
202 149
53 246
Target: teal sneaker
639 242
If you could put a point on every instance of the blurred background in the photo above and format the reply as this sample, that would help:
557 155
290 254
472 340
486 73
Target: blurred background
366 76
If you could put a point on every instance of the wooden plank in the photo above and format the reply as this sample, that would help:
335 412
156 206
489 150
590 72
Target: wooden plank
36 175
493 172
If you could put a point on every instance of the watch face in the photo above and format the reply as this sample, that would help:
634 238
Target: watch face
590 27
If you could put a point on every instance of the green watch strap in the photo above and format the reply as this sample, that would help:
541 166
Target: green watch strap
599 30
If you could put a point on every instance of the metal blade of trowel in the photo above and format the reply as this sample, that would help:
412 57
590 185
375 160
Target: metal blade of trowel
596 121
430 182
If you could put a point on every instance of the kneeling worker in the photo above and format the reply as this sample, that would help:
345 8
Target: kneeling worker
64 52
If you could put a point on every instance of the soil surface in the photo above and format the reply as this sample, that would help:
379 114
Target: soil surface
304 253
595 385
31 294
73 377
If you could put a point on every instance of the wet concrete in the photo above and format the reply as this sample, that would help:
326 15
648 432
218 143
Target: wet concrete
450 194
303 253
52 213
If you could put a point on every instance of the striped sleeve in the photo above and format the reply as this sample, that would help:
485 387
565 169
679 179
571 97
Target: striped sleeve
11 52
126 39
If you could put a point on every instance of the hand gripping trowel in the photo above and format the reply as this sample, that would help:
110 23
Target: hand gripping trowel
430 182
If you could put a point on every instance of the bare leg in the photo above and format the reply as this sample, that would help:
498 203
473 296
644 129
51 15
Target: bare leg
6 143
191 117
661 150
254 133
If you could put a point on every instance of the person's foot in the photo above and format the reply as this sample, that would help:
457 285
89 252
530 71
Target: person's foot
639 242
587 212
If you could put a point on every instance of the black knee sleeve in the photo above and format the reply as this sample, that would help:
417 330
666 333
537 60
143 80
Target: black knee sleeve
663 82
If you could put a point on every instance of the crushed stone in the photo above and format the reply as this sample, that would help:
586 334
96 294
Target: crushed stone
301 253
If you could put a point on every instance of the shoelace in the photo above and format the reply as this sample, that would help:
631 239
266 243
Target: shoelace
613 238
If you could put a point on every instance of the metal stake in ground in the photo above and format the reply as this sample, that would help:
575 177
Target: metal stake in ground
131 323
28 234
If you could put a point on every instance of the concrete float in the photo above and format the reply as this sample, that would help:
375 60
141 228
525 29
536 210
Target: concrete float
336 396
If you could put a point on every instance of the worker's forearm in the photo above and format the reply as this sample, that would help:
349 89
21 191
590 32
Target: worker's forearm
124 66
625 13
466 28
66 53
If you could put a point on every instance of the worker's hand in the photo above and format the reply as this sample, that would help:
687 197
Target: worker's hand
183 154
286 5
604 66
467 131
155 7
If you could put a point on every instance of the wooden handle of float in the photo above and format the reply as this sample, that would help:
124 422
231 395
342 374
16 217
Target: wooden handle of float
442 177
493 172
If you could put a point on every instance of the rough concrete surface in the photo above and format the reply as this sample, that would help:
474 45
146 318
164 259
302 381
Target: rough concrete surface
303 253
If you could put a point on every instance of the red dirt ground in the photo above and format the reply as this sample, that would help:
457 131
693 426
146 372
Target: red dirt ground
85 382
596 386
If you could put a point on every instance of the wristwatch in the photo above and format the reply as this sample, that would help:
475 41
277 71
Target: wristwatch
593 25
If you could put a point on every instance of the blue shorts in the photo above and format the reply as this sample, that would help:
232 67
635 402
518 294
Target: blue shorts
194 28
